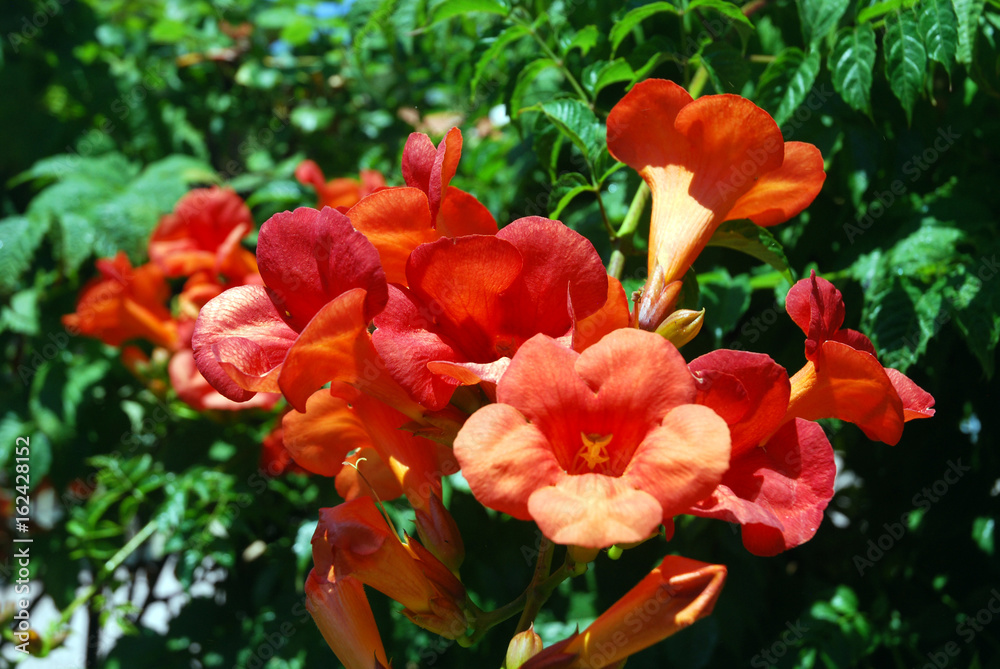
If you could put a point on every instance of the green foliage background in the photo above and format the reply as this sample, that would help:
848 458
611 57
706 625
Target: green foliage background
112 109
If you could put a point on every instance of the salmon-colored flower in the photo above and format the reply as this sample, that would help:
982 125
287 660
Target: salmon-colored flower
598 447
353 540
707 161
398 220
843 377
472 301
123 304
341 192
678 593
343 615
204 233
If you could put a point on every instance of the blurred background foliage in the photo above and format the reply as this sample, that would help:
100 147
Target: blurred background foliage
114 108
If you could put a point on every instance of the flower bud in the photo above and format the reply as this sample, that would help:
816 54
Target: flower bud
681 326
522 648
439 533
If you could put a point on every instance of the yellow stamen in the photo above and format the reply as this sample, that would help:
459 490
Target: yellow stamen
594 449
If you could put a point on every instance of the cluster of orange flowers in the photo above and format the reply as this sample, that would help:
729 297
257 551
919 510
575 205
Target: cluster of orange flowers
412 338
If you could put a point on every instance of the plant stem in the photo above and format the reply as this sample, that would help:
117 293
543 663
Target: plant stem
108 569
560 64
634 213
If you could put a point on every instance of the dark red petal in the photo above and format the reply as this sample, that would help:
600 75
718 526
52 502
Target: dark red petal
749 390
817 307
790 479
308 257
556 262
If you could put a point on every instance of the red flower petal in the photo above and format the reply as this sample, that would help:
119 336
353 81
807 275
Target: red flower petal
789 478
395 221
197 392
558 265
431 169
681 460
817 307
320 438
308 257
462 214
778 195
749 390
917 402
614 315
244 313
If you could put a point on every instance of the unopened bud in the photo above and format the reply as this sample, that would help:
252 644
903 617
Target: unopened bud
439 533
522 648
681 326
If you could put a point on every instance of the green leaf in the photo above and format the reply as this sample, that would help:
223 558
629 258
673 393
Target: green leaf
600 75
310 118
577 122
628 22
20 237
974 304
968 13
726 66
940 30
982 534
524 80
584 40
852 63
298 31
746 237
787 81
728 10
450 8
905 58
566 188
725 300
819 17
879 9
496 48
168 31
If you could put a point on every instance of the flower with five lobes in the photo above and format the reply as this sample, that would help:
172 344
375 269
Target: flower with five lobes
718 158
598 448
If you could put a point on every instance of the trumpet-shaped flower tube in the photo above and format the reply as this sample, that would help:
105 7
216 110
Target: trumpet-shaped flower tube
676 594
472 301
353 540
707 161
597 447
342 613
